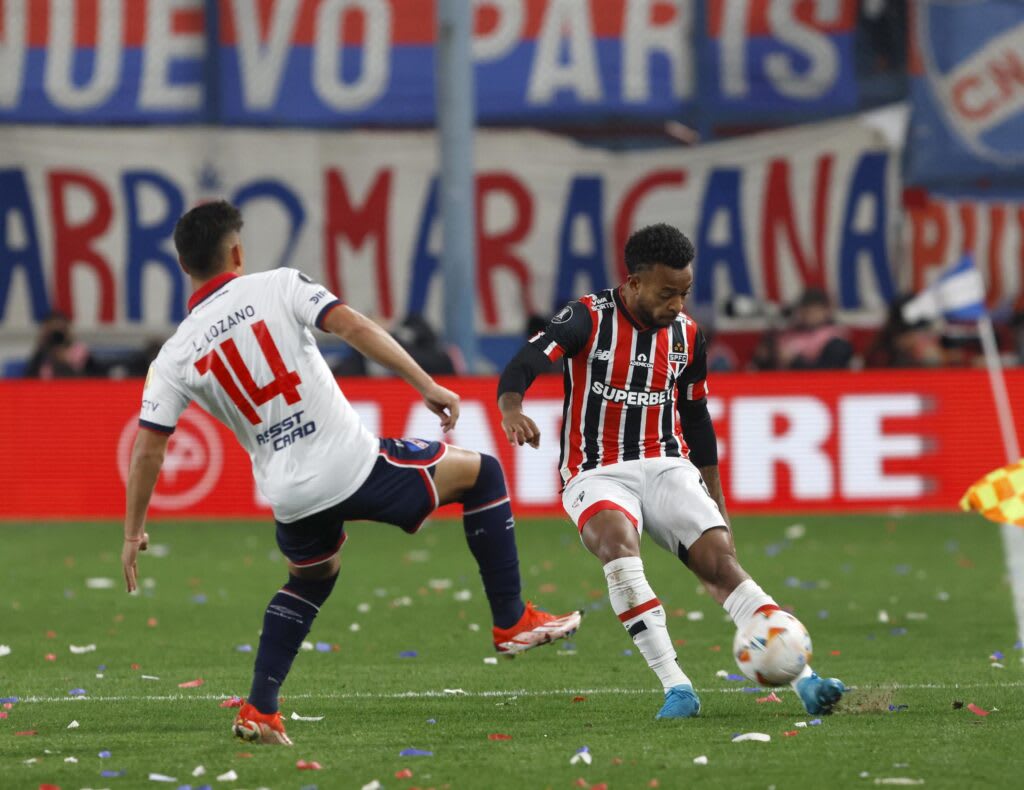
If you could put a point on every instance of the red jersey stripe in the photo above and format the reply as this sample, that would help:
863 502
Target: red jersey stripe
611 424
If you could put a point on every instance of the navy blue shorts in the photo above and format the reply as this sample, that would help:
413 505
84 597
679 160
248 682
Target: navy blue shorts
400 490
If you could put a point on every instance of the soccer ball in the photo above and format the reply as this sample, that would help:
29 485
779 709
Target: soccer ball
773 649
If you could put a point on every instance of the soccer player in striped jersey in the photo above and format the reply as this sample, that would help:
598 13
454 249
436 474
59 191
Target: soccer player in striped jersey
639 451
245 353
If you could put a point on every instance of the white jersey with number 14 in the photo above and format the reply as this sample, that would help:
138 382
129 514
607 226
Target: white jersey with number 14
246 354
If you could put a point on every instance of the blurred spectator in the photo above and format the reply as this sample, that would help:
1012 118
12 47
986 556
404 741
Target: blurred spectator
534 324
902 345
421 341
1017 329
135 364
58 355
813 341
882 36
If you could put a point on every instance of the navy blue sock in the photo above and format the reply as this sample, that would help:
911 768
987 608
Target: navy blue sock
487 520
286 623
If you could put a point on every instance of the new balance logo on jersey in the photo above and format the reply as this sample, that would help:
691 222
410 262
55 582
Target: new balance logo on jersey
602 355
629 397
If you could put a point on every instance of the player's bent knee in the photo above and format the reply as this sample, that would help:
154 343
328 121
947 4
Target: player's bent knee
314 591
489 489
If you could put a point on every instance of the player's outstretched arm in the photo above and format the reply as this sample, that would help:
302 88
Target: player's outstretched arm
147 457
370 340
519 429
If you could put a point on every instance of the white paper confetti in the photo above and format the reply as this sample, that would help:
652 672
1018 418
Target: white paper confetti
150 677
199 770
439 584
584 757
158 550
695 616
297 717
99 675
80 649
230 776
306 645
454 691
800 724
795 531
363 608
721 674
354 627
5 650
702 760
31 761
74 725
99 583
474 627
404 600
161 778
752 736
917 616
374 785
462 595
897 780
490 660
883 616
71 759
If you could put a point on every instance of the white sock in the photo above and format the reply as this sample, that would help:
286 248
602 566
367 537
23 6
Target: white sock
747 600
644 618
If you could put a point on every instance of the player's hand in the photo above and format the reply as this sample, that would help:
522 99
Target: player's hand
520 429
129 553
444 403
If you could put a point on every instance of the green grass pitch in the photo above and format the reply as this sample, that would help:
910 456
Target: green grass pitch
941 580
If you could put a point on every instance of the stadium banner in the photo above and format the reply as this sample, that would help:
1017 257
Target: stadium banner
938 229
765 60
967 95
86 218
357 62
787 442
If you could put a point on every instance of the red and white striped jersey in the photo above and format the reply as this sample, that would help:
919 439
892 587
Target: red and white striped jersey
245 353
622 382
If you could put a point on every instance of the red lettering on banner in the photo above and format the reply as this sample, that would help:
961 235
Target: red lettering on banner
997 223
357 224
497 250
968 220
929 237
72 243
778 209
624 217
963 89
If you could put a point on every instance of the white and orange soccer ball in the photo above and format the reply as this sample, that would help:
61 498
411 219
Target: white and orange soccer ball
773 649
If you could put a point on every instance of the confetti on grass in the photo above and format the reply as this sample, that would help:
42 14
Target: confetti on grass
751 736
976 710
498 736
415 753
191 684
233 702
297 717
308 765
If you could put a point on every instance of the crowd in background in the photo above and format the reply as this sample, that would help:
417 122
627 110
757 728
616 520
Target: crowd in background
802 336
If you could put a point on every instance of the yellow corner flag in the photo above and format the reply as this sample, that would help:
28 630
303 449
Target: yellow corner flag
999 495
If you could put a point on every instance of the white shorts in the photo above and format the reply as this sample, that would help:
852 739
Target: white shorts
665 496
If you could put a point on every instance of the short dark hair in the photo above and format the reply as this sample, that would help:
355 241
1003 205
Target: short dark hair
199 234
655 244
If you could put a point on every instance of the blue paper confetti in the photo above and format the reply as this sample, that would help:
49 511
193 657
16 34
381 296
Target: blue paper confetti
323 647
1018 645
6 700
997 655
792 581
101 668
823 614
243 649
77 693
627 652
415 753
103 755
814 722
111 774
199 598
583 749
735 677
898 631
408 654
431 721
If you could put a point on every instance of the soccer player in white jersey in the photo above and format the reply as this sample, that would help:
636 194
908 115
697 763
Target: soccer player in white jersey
246 354
639 451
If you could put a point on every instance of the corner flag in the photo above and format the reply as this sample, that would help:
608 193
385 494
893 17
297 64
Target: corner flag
957 295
